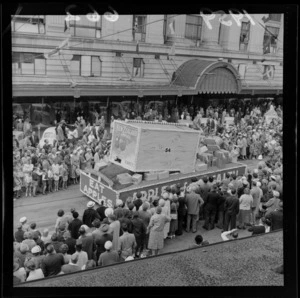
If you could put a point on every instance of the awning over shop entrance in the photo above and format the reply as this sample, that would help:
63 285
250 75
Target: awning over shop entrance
208 77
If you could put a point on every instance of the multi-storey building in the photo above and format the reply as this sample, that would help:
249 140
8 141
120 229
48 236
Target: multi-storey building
145 58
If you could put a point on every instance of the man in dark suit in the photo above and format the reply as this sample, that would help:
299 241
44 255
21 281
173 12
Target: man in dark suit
210 208
193 202
276 217
34 139
231 209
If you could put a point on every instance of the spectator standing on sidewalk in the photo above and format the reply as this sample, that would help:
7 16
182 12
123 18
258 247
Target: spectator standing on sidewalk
193 202
210 208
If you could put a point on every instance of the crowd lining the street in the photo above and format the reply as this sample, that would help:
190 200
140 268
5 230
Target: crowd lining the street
134 228
53 167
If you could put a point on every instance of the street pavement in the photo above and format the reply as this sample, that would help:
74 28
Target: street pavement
43 211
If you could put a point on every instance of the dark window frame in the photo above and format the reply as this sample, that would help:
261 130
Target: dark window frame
245 33
141 67
141 29
268 37
199 28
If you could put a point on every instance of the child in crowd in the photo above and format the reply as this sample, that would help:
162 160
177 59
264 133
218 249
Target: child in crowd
55 168
50 179
44 181
65 175
35 181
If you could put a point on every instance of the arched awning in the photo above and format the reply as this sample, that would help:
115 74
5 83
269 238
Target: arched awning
208 77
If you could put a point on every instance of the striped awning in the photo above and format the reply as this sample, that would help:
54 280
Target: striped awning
208 77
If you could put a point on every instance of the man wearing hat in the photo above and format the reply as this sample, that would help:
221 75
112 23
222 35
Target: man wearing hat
37 258
90 214
109 256
276 217
118 212
25 226
19 234
104 235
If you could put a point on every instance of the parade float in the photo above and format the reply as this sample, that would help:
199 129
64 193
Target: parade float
147 157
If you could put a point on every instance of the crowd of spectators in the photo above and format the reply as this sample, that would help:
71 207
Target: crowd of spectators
138 228
52 167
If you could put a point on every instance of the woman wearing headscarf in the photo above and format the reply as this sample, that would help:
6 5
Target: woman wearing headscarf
156 230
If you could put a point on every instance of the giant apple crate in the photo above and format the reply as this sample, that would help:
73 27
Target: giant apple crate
146 146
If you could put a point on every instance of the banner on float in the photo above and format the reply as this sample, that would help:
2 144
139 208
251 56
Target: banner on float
158 187
97 191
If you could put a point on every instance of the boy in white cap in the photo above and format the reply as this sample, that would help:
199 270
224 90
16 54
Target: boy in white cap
90 214
109 256
25 226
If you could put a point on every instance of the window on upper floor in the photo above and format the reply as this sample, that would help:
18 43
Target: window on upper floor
193 27
28 63
138 67
275 17
28 24
244 36
139 27
270 39
85 28
269 71
86 66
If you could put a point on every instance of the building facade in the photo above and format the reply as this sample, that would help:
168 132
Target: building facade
145 58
